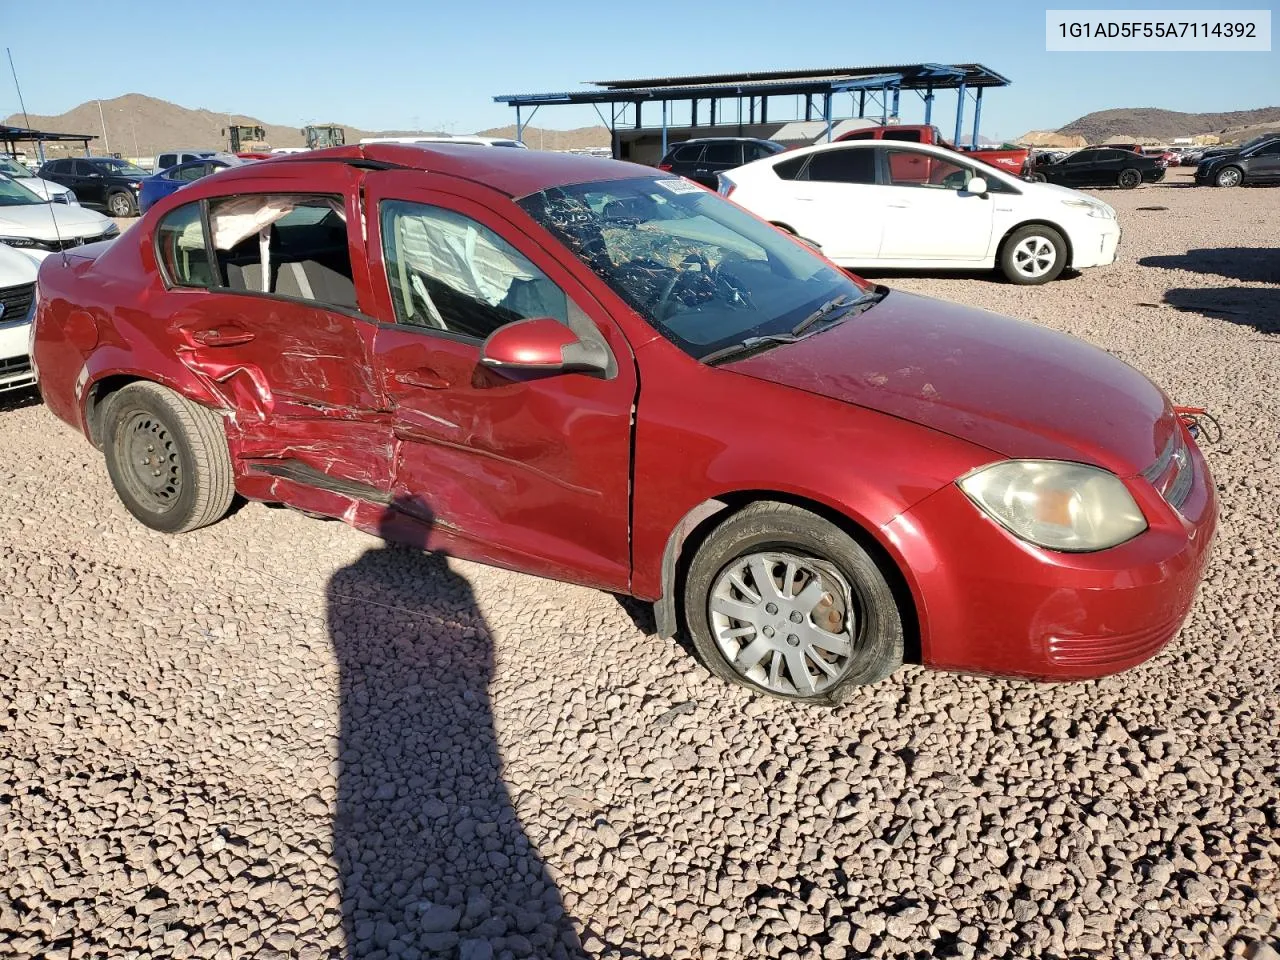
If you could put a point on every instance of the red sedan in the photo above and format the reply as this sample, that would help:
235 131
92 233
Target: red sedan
597 372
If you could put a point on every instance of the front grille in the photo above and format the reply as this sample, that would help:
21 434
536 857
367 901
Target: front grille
1171 473
13 366
16 301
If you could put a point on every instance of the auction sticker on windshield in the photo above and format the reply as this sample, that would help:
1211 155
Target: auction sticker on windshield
680 186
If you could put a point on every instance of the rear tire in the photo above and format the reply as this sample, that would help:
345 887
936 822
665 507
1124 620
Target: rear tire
1129 179
1033 254
122 204
810 614
167 458
1038 178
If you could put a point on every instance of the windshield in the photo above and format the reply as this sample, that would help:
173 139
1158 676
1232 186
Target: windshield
122 168
703 272
13 194
13 168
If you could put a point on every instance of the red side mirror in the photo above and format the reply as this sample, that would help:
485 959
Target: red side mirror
542 345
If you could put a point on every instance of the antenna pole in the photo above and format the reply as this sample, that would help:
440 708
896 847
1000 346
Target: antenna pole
105 139
25 118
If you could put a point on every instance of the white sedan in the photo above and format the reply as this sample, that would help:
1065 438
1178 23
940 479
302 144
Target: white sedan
44 189
17 287
888 204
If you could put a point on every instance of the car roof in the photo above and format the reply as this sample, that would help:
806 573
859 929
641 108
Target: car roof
516 173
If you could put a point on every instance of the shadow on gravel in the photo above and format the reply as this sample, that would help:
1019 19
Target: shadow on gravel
17 399
432 857
1255 307
1248 264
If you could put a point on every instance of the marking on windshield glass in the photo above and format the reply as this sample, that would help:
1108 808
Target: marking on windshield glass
679 186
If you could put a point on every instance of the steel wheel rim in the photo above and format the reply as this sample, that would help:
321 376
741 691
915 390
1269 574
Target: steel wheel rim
1229 178
152 469
1034 256
784 622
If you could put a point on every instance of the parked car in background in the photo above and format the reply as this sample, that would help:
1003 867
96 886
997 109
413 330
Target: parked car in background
1256 163
1102 167
1191 158
171 158
1212 152
474 140
580 369
32 224
17 291
899 205
99 182
1011 159
702 160
44 189
175 178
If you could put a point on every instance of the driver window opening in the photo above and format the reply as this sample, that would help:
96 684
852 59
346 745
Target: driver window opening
449 273
290 245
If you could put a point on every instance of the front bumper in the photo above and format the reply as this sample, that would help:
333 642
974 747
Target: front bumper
1095 245
989 603
16 371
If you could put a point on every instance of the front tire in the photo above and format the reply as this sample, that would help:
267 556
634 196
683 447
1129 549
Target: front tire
122 204
783 602
167 458
1033 254
1229 177
1129 179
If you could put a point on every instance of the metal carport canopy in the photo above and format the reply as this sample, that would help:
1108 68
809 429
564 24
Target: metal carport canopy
926 77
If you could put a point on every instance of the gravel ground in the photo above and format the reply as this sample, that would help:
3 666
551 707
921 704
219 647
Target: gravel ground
277 737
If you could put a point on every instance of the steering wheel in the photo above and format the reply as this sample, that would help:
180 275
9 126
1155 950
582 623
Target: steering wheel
683 271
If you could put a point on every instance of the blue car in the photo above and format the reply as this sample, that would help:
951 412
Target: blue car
165 182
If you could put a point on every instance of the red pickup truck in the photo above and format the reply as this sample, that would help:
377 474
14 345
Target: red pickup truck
1010 161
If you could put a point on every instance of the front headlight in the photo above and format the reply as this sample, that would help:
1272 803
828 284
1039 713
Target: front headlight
1056 504
1093 208
20 242
112 230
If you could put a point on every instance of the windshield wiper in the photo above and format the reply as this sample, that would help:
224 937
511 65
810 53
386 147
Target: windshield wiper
839 304
844 305
747 346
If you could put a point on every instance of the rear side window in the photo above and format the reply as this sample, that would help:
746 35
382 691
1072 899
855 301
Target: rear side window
843 166
724 153
81 168
689 154
167 160
861 135
789 169
181 250
907 136
286 245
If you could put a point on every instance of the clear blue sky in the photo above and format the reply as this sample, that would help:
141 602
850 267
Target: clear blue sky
389 64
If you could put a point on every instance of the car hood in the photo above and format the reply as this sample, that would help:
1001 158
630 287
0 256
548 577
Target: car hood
16 267
36 220
44 189
1016 388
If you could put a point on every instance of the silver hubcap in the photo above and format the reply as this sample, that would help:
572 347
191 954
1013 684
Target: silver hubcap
784 621
1229 178
1034 256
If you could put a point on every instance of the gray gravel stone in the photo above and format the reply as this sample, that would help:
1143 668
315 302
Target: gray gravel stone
293 741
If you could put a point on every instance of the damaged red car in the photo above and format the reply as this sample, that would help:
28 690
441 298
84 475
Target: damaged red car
600 373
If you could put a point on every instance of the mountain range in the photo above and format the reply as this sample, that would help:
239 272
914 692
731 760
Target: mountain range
137 125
